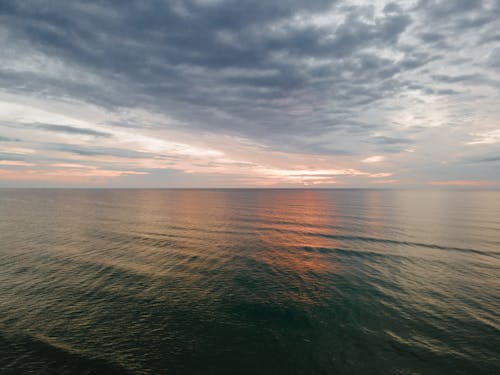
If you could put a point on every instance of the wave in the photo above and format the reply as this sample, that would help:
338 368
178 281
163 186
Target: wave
29 354
406 243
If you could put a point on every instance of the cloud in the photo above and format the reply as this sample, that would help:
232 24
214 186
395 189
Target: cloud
69 130
98 151
65 175
384 140
373 159
491 159
464 183
487 137
183 83
15 163
188 53
8 139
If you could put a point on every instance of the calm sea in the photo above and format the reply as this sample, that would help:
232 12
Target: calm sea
249 282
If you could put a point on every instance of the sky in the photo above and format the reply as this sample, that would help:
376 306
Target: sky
240 93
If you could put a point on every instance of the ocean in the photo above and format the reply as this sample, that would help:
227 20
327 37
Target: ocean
103 281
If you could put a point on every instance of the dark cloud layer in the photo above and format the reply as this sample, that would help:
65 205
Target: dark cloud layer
69 130
97 151
237 65
9 139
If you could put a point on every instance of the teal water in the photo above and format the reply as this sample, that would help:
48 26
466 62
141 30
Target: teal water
249 282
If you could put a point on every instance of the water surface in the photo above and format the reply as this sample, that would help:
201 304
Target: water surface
249 282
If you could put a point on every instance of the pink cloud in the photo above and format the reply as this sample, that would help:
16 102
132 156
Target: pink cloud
15 163
385 181
68 175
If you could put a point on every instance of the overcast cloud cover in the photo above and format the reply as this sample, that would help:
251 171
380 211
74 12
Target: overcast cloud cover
204 93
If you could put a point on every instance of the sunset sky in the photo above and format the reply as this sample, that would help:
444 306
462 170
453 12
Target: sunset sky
239 93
